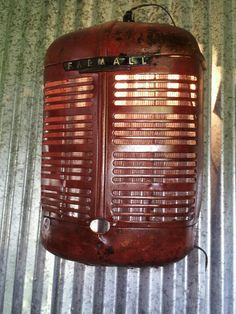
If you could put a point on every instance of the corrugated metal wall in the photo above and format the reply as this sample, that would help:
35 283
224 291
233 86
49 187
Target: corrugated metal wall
34 281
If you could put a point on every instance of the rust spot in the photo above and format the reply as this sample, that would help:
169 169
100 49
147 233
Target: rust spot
109 250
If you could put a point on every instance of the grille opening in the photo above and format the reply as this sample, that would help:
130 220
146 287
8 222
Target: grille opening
51 107
147 193
151 202
71 119
153 142
154 116
147 94
154 125
65 190
79 80
153 164
68 134
49 162
154 102
65 141
155 85
134 77
147 172
156 215
154 155
152 180
62 98
67 127
66 170
153 133
68 90
77 215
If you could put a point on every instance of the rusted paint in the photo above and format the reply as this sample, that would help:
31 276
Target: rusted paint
152 229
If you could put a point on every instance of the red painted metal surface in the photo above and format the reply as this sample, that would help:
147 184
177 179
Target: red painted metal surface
122 148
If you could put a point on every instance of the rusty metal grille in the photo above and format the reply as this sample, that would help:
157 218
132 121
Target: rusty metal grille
143 119
33 280
67 148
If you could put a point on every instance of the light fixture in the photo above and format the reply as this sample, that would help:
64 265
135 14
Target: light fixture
122 144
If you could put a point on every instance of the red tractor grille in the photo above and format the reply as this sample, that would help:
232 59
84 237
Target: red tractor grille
68 156
154 137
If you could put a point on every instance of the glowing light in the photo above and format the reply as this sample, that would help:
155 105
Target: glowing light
126 77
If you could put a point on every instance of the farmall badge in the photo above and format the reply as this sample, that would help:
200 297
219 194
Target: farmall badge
109 63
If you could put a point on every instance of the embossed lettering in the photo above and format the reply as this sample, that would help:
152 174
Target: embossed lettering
69 65
108 63
143 60
116 61
101 61
131 60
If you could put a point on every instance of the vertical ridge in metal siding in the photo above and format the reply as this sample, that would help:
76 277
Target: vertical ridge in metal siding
89 294
203 31
144 286
24 268
10 208
121 286
109 296
132 290
5 24
84 16
58 284
99 281
227 164
67 287
234 158
42 286
155 290
69 16
5 9
32 280
34 303
183 13
77 296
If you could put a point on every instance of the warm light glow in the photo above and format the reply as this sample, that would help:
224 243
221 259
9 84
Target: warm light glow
193 86
153 133
154 125
65 90
159 85
69 81
181 77
50 107
67 98
154 116
126 77
175 85
154 102
155 94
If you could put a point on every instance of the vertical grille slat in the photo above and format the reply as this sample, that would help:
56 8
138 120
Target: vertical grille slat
136 174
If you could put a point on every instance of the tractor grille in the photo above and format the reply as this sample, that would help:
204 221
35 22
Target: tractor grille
68 156
154 137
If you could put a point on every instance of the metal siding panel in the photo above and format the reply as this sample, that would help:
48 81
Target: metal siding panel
33 280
